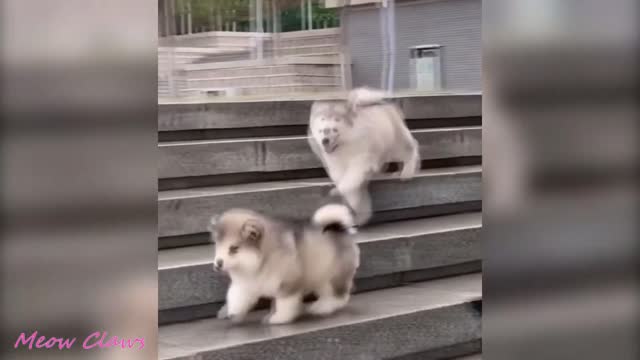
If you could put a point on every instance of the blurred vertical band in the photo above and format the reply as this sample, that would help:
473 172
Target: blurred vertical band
560 137
79 188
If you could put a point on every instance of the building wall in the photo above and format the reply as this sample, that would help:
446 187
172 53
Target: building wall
454 24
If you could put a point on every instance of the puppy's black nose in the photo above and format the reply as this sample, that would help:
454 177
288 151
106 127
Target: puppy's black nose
219 263
325 141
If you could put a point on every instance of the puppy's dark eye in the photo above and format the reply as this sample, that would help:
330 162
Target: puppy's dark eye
233 250
334 130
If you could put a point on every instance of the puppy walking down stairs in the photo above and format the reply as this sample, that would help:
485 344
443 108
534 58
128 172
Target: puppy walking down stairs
285 260
356 138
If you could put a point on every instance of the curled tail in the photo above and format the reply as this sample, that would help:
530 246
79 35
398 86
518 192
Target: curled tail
364 96
335 218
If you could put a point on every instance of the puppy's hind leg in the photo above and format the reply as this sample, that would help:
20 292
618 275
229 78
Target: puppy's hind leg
411 160
331 298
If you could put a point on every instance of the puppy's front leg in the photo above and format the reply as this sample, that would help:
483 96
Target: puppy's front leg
240 300
287 309
354 178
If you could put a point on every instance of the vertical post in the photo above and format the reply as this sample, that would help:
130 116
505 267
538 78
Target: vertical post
167 28
391 31
189 18
276 16
260 27
218 18
303 16
310 14
171 17
345 59
183 23
385 45
252 15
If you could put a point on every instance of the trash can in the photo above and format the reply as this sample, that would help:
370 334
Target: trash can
425 67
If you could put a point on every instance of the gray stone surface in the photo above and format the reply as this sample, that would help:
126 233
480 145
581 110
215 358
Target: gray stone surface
470 357
375 325
261 70
197 158
188 211
186 276
242 114
264 80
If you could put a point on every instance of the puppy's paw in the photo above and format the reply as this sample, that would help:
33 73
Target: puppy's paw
237 318
408 172
404 176
277 319
319 308
223 312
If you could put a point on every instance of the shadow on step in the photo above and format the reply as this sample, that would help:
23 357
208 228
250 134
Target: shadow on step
362 285
169 242
449 352
253 177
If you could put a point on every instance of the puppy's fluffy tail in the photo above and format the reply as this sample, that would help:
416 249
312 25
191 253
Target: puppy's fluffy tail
364 96
334 217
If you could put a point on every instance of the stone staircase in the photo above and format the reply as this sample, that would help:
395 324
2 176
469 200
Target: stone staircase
225 63
418 289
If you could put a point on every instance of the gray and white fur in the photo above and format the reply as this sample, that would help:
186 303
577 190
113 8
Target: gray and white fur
285 260
355 138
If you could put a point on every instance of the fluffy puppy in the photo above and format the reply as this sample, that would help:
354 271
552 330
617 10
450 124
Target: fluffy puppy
285 260
354 139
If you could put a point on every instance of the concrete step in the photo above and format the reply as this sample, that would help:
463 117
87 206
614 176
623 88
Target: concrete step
470 357
298 87
292 88
215 157
327 59
182 212
229 114
309 69
265 80
418 318
304 50
186 276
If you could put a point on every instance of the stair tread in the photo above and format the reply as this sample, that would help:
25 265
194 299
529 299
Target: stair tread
210 335
203 254
297 137
262 76
287 184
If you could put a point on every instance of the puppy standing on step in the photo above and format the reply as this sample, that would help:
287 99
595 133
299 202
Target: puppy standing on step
283 260
354 139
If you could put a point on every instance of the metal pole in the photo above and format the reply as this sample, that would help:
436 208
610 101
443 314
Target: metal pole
310 14
259 28
345 59
303 17
387 32
189 18
391 31
385 48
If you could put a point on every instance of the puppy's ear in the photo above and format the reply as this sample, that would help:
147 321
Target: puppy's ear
252 232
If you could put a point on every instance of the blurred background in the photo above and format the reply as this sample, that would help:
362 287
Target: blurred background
78 251
561 171
270 48
81 83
